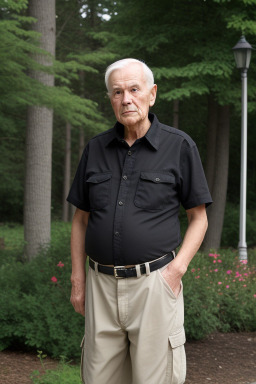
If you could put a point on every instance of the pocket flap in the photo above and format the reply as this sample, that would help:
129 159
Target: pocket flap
158 177
99 177
178 338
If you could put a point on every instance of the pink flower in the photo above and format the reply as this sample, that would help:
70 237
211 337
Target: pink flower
229 272
60 264
227 286
244 261
219 282
193 270
214 261
215 270
215 255
219 261
197 277
245 274
254 296
244 285
54 279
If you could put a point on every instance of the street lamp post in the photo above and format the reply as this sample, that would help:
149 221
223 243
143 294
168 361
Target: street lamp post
242 52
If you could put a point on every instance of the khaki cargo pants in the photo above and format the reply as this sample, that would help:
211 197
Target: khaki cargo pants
134 331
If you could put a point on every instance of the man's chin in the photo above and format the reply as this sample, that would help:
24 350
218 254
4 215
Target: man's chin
129 119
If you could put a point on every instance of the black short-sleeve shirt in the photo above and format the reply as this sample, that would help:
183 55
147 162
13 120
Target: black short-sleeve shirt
134 193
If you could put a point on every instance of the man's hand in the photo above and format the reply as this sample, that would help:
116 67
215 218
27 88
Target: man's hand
173 274
77 298
197 225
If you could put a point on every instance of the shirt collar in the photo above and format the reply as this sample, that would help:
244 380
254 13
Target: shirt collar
152 135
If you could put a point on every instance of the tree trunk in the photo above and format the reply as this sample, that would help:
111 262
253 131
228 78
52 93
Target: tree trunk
211 141
37 198
219 191
67 170
176 104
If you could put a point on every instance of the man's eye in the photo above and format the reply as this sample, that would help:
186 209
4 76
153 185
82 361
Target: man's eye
134 89
117 92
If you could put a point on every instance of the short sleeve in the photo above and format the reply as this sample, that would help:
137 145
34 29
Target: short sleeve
194 190
78 194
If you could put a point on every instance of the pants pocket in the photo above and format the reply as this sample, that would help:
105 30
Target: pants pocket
176 361
82 361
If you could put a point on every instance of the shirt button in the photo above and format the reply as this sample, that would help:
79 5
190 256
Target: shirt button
125 177
116 233
120 203
129 153
157 179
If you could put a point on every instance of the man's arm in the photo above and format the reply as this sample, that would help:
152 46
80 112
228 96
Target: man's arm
78 258
197 226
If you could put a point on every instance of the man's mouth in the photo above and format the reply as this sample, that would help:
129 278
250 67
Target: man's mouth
127 112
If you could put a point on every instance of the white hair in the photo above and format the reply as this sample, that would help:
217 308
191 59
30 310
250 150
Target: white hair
124 63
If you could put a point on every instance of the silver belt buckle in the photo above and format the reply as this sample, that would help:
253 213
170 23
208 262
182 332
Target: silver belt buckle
116 272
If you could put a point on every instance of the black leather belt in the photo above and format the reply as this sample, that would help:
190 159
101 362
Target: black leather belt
121 272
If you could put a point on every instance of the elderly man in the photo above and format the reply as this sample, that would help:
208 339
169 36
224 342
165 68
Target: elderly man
128 189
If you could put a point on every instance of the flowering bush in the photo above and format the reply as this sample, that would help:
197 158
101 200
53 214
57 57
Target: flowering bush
222 298
219 291
35 302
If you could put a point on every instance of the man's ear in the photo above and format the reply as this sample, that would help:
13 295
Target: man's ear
153 95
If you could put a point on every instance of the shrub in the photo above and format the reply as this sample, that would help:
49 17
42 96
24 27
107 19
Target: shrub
35 307
65 374
230 231
219 292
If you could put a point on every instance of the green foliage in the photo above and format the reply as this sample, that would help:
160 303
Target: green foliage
230 234
71 102
34 300
65 374
220 294
15 5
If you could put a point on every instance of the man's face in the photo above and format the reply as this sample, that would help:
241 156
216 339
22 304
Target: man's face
130 96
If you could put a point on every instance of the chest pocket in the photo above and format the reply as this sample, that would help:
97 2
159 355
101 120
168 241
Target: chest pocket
154 190
99 190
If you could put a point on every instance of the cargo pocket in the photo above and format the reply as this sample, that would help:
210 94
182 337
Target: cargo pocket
154 190
99 190
82 361
176 361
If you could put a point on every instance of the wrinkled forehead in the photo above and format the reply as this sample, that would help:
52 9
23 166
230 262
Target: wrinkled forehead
132 73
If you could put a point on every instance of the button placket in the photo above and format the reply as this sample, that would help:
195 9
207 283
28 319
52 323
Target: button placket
124 188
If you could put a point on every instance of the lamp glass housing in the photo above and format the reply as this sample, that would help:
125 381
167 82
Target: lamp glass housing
242 58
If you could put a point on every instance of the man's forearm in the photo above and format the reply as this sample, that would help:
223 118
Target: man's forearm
78 258
78 255
194 236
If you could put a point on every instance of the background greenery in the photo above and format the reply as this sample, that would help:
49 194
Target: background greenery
188 45
190 53
219 291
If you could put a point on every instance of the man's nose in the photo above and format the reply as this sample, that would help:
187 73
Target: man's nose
126 98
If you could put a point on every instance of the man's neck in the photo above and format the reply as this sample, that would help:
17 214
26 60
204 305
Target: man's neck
133 133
